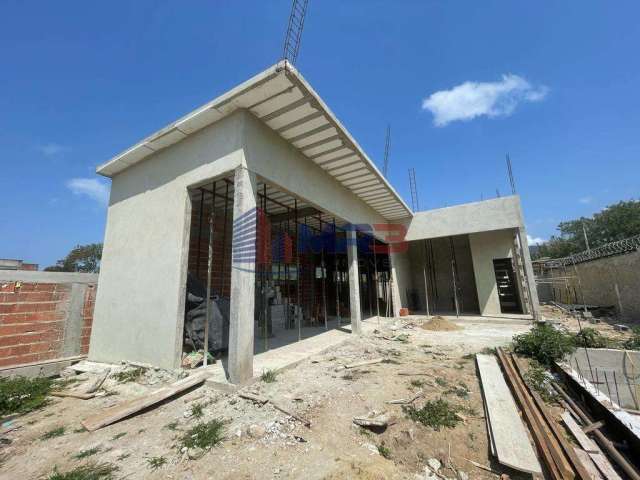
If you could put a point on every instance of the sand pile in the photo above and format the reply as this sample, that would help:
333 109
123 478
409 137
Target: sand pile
440 324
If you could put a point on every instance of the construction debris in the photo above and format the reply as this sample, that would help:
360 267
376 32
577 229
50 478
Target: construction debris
118 412
508 433
373 420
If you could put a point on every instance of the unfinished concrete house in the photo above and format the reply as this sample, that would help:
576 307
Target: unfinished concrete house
263 202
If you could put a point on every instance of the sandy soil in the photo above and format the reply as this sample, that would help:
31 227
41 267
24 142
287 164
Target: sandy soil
320 389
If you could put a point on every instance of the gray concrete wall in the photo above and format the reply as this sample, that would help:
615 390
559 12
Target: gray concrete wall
140 303
615 373
485 247
495 214
272 158
606 281
400 279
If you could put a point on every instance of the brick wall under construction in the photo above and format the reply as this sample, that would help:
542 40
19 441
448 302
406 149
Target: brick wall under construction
45 316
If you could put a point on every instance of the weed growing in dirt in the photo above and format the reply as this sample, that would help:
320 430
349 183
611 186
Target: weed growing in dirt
23 395
384 451
364 431
91 471
435 414
417 383
124 456
80 429
633 343
53 433
156 462
87 453
544 343
118 436
538 379
591 338
442 381
269 376
197 410
460 390
489 351
204 435
131 375
172 425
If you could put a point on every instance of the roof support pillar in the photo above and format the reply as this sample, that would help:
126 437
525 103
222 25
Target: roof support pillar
243 275
354 280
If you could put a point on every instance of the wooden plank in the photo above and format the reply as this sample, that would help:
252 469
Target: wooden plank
586 461
604 466
118 412
548 448
585 442
554 427
508 432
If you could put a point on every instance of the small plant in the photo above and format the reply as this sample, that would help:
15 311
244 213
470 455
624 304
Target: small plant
633 343
442 381
269 376
87 453
204 435
489 351
53 433
172 425
197 410
131 375
364 431
124 456
80 429
384 451
23 395
459 390
544 343
417 383
538 379
435 414
156 462
91 471
591 338
118 436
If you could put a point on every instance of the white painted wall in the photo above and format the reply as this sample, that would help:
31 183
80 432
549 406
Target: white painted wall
140 300
485 247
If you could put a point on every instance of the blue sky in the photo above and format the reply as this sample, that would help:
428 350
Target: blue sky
555 84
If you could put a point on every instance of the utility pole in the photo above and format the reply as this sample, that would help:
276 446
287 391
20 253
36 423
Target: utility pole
586 239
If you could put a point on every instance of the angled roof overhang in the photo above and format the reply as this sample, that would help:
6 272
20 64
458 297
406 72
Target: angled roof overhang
285 102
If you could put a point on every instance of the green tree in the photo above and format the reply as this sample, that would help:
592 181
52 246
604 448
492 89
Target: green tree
615 222
82 258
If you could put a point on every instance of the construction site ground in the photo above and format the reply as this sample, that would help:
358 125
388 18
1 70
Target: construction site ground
262 442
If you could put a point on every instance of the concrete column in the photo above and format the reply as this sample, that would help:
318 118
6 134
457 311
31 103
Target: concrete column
528 272
398 277
74 322
240 367
354 284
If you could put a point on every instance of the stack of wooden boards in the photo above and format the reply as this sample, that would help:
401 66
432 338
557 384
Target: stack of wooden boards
509 439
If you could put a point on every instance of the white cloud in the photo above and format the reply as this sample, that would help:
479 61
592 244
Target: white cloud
52 149
474 99
92 188
535 240
586 200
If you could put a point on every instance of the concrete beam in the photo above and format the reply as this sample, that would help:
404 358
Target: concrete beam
354 283
47 277
240 368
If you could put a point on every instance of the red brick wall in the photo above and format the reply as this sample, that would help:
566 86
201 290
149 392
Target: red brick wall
32 320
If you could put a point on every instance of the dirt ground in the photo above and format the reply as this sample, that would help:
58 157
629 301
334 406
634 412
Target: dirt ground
262 442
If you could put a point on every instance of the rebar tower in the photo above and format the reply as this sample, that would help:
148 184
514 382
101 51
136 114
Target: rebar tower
415 204
294 30
387 143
